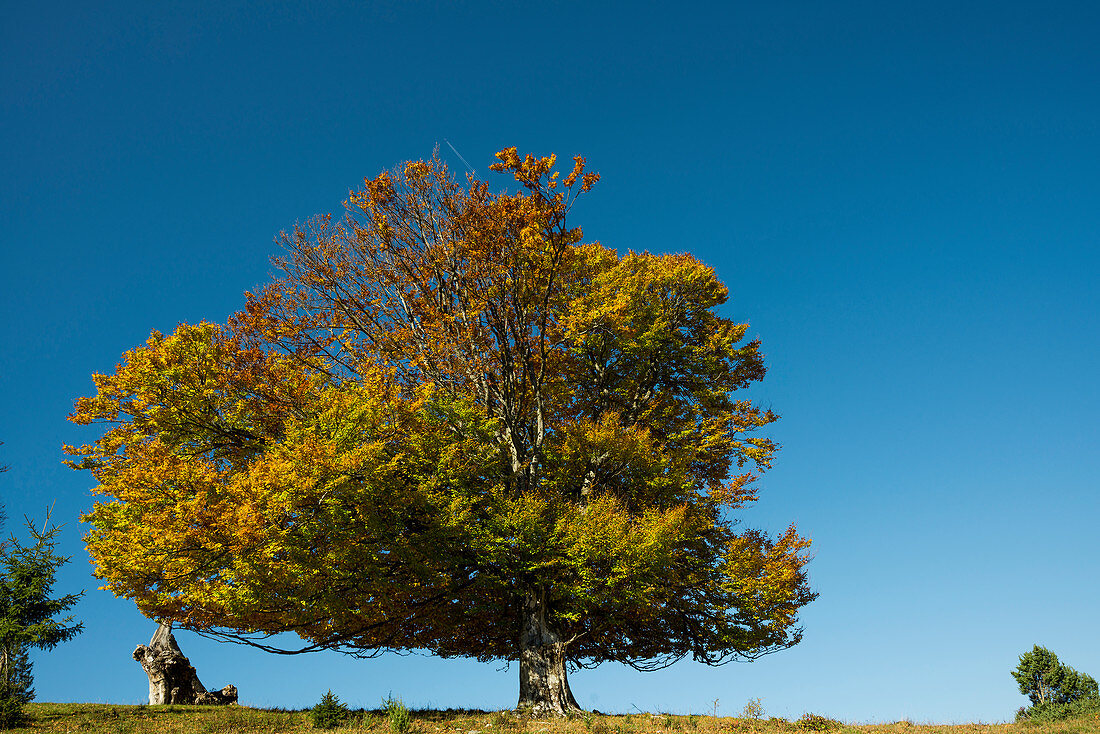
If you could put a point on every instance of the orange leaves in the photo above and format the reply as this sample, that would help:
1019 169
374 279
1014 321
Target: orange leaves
416 171
529 170
735 493
587 180
537 174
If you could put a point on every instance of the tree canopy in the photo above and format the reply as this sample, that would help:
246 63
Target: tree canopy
451 425
1046 681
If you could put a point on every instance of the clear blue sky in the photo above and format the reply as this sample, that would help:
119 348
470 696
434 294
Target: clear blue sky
903 198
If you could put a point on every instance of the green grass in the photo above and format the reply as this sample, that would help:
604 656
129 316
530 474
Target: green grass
108 719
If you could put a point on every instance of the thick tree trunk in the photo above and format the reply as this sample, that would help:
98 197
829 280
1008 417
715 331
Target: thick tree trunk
543 678
172 678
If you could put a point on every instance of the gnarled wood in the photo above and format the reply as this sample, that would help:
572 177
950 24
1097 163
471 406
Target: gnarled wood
172 678
543 677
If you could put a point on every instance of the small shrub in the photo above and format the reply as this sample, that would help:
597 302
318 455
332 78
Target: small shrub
329 713
754 709
398 714
1059 711
693 721
815 722
667 722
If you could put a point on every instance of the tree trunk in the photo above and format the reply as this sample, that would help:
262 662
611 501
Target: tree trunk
172 678
543 678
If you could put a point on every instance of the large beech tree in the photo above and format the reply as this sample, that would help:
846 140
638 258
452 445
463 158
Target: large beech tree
452 426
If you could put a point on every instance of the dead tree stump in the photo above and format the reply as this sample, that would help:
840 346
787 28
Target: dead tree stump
172 678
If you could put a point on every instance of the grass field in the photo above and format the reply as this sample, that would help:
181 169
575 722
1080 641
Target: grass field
108 719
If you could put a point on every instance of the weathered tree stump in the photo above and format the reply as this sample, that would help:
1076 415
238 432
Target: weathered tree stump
172 678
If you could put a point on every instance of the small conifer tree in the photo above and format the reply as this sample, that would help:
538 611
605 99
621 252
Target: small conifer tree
398 714
28 613
330 712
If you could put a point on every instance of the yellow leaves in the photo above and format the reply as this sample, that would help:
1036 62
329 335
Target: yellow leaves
590 457
605 527
238 481
643 296
767 577
616 556
416 170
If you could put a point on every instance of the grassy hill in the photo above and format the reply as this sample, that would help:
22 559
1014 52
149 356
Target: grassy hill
96 718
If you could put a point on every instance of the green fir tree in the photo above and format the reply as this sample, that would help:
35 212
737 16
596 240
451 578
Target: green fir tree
29 615
330 712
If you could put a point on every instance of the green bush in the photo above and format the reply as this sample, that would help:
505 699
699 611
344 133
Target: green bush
398 715
816 722
1058 711
330 712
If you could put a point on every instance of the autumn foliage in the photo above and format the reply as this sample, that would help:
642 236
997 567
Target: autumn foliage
451 425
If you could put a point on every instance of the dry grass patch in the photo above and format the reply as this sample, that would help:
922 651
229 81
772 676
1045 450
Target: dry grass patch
108 719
